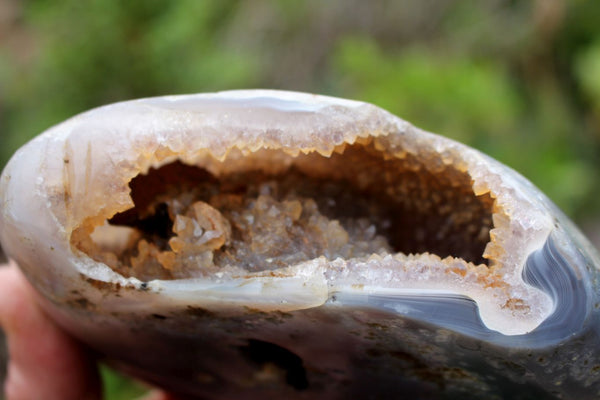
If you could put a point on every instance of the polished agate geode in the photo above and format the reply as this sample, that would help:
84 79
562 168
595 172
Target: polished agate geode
263 243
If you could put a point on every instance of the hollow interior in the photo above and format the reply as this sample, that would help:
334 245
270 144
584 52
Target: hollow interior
275 364
279 210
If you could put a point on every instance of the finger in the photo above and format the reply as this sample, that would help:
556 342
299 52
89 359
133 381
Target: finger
44 362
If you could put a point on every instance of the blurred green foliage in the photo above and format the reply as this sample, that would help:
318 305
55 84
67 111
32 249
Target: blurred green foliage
118 387
519 80
466 98
587 65
90 53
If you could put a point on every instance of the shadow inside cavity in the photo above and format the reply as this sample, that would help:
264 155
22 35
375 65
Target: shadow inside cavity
274 362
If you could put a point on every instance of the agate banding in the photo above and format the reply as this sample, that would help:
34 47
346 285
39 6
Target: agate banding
257 219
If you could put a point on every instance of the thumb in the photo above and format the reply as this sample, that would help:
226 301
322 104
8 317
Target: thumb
44 362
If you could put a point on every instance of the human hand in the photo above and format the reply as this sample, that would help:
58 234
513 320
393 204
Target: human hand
44 361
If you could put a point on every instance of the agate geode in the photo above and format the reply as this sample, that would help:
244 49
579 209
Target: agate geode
265 244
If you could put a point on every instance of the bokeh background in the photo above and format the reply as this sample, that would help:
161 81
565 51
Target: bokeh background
519 80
